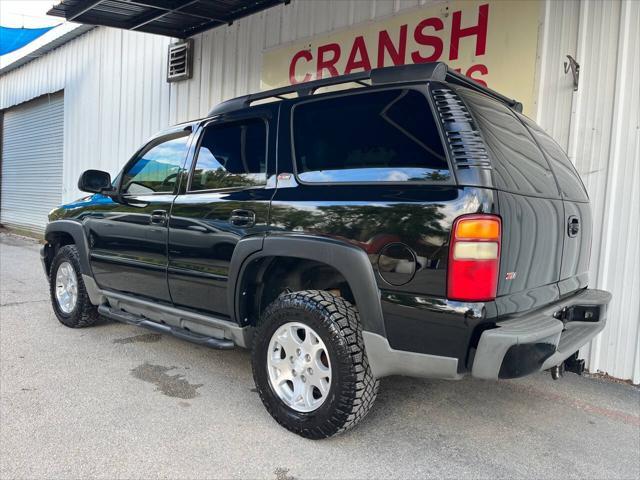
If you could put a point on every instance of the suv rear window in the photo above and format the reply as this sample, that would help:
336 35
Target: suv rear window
385 136
231 156
569 181
518 164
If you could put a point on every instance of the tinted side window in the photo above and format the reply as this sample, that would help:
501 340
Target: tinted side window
518 163
231 155
569 181
387 136
158 166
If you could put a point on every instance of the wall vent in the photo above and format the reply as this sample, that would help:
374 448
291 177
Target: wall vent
180 61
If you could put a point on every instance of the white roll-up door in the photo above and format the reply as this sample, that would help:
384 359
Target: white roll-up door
32 141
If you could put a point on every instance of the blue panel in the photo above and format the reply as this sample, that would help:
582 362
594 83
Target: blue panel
12 39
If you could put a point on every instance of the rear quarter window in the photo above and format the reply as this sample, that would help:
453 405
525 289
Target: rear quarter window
384 136
571 186
517 162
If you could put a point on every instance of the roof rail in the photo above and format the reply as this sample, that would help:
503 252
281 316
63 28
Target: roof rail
378 76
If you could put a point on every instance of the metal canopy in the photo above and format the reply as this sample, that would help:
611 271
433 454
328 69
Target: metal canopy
172 18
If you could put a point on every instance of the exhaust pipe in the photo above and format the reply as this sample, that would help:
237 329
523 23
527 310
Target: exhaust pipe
557 372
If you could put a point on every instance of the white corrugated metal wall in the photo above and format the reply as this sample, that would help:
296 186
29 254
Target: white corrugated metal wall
117 96
604 143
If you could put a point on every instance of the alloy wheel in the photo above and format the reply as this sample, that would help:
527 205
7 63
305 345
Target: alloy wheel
299 367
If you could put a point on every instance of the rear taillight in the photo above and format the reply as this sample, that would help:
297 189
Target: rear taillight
474 258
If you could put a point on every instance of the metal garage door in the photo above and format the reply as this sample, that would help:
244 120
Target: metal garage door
32 138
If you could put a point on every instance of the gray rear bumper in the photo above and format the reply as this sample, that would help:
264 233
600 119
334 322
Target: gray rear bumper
540 340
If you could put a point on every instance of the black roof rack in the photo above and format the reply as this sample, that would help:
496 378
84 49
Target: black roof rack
378 76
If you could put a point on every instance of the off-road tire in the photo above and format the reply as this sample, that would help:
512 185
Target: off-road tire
353 388
85 313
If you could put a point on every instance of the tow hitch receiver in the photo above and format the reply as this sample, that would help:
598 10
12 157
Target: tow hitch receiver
571 364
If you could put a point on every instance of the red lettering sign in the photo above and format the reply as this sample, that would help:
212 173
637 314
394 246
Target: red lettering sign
359 49
428 40
394 48
386 45
306 54
479 30
328 64
480 68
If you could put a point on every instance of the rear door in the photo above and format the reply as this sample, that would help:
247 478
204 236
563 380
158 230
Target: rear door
578 226
226 199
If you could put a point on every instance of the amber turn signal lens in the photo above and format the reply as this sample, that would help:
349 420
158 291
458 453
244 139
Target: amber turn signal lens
478 229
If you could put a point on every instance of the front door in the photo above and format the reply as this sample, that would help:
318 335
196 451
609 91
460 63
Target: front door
225 200
128 242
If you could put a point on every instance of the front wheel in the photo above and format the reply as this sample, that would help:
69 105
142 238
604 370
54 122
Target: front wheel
310 366
69 296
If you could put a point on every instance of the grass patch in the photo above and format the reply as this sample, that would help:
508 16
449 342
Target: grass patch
22 232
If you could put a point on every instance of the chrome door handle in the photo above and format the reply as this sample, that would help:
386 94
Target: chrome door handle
158 217
242 218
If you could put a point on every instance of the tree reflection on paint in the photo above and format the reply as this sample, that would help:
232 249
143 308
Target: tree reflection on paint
410 223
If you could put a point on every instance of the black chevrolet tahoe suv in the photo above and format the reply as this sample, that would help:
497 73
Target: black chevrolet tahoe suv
402 221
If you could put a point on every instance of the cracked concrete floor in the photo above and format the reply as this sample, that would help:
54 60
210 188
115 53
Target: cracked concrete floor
113 401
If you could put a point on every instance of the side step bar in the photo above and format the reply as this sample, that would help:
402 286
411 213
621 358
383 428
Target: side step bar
138 321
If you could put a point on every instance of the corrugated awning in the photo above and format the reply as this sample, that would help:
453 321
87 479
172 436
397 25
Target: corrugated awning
172 18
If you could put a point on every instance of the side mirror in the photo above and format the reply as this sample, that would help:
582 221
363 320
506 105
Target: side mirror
95 181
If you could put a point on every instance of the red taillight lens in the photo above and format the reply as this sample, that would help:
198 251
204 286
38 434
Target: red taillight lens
474 258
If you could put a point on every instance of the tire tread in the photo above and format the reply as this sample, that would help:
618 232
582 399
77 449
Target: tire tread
85 314
344 324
